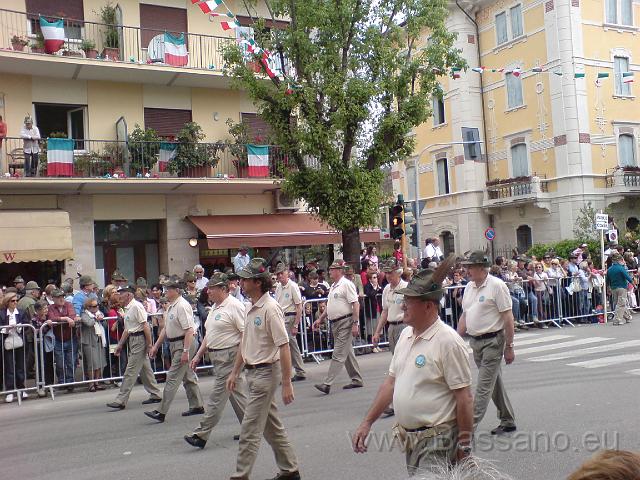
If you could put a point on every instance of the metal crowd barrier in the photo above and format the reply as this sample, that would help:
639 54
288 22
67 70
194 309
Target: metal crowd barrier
320 343
18 361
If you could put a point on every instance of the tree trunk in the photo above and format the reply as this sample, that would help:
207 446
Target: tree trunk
351 247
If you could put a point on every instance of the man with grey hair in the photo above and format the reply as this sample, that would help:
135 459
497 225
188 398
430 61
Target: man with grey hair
137 334
392 313
429 381
201 280
488 319
30 137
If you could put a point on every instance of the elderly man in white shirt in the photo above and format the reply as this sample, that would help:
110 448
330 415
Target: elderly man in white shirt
241 259
432 250
201 280
30 137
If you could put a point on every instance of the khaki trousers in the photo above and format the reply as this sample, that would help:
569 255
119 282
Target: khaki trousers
179 373
343 355
621 302
261 419
432 453
137 364
296 356
222 361
488 355
393 332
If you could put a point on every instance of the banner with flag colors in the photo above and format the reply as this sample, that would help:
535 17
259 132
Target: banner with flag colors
167 153
53 33
209 6
175 50
59 157
258 160
627 77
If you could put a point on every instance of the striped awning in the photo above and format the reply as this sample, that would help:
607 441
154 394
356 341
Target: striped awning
34 236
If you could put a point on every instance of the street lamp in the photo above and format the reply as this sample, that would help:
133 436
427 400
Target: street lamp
416 164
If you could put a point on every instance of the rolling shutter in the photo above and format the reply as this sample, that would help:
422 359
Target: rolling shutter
166 121
156 20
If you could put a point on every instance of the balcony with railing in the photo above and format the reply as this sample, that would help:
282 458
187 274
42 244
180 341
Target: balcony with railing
520 190
90 48
623 179
109 160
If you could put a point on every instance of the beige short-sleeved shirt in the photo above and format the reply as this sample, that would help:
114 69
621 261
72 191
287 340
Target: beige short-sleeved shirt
135 316
427 369
225 324
392 302
341 295
483 304
264 332
179 317
288 296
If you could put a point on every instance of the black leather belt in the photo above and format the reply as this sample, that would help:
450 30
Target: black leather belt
332 320
137 334
258 365
484 336
219 349
395 323
176 339
419 429
290 314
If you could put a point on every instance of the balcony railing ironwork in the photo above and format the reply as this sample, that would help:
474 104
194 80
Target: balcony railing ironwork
108 158
627 177
119 43
517 188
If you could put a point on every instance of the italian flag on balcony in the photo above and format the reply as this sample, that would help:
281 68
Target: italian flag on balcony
53 33
258 160
167 153
59 157
175 50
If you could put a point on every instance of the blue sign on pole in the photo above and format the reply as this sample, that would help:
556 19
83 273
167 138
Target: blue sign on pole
490 234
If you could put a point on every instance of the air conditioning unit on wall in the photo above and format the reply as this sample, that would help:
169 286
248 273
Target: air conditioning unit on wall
284 203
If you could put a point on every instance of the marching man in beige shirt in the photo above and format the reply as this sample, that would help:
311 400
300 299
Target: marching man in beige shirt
264 352
224 327
137 334
488 319
343 313
429 381
179 329
290 299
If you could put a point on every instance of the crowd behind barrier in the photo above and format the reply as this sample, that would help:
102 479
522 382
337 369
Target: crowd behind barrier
44 356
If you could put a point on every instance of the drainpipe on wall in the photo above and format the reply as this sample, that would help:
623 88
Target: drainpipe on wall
484 123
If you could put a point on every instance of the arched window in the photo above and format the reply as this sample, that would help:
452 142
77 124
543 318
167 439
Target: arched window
448 243
523 237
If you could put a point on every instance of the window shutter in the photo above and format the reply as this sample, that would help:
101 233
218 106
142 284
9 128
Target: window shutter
520 167
501 28
612 11
72 9
627 151
166 121
156 20
259 131
626 12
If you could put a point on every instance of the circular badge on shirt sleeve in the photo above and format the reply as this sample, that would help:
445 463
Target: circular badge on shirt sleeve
286 295
399 300
335 295
481 299
257 322
218 317
421 361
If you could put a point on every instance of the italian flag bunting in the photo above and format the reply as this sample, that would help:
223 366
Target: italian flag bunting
578 75
258 160
627 77
53 33
603 75
209 6
167 153
175 50
59 157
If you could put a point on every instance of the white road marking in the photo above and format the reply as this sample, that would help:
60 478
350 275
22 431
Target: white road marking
634 372
558 346
586 351
546 338
606 361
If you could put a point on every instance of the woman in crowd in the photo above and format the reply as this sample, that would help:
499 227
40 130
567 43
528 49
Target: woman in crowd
540 281
47 293
584 302
372 305
94 340
113 312
40 321
371 254
397 251
518 295
11 335
555 273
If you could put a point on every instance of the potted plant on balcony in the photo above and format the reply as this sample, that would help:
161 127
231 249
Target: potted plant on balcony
37 46
18 43
89 47
111 41
143 146
192 158
238 147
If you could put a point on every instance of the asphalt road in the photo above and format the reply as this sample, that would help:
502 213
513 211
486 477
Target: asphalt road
573 390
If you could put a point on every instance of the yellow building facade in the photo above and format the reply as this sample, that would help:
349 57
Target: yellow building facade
148 222
549 89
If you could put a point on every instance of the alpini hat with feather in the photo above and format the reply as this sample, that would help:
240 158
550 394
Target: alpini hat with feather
427 283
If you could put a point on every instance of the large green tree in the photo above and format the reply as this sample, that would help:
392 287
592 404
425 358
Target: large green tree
353 78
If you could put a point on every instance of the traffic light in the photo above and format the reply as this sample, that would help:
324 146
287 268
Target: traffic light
409 222
397 221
